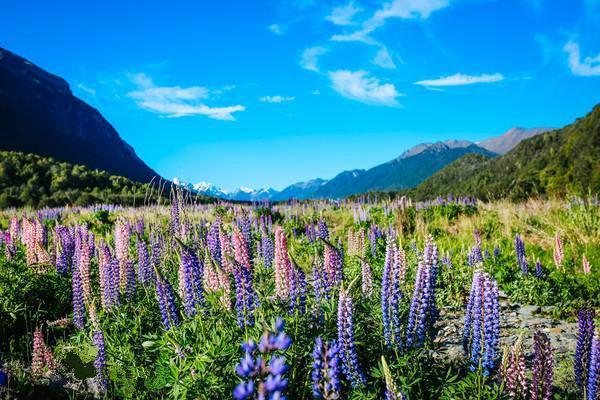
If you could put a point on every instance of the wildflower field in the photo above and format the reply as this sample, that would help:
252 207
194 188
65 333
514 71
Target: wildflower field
361 299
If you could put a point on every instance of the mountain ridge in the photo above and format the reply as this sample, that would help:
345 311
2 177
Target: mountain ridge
39 114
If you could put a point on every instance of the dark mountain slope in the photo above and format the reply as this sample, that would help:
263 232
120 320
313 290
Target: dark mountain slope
557 163
39 114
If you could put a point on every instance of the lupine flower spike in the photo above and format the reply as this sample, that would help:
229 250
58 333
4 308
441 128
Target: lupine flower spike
391 390
326 370
263 368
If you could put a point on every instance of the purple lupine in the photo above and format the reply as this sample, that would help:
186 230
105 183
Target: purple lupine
543 369
585 333
539 270
100 361
521 255
593 384
129 289
267 249
391 295
333 265
322 229
326 370
175 217
190 281
166 302
482 324
298 290
246 299
78 301
156 253
496 251
145 274
263 368
310 232
374 234
65 251
423 310
348 355
513 370
367 278
213 241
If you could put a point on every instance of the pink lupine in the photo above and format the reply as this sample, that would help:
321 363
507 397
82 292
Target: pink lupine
226 251
587 269
513 370
122 233
241 250
42 359
282 265
558 253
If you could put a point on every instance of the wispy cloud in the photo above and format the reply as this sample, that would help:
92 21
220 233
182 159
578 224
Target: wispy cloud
383 58
404 9
310 58
359 86
461 79
176 101
86 89
590 66
276 99
275 28
343 15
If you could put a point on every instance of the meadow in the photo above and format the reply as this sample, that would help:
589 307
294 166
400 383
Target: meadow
358 299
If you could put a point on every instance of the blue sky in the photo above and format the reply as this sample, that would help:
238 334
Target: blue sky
272 92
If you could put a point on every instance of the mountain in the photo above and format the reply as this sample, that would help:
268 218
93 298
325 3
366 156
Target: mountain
556 163
39 114
506 142
28 180
406 171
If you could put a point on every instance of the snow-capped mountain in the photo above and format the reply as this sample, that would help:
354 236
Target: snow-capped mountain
242 193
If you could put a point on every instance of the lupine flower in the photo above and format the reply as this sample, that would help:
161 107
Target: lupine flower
423 310
521 255
213 241
496 252
513 370
587 269
145 273
593 385
367 278
267 249
83 254
391 390
585 333
42 359
543 369
122 233
190 281
65 249
326 370
129 270
246 299
263 368
175 217
482 324
374 234
311 233
78 299
391 296
100 360
166 302
348 355
282 265
241 248
156 247
226 251
557 251
297 289
539 271
322 229
333 265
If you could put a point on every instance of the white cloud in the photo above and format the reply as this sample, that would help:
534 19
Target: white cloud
461 79
310 58
383 58
358 85
316 92
176 101
590 66
86 89
405 9
275 28
276 99
343 15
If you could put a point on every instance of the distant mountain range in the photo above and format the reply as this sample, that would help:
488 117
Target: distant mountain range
406 171
39 114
